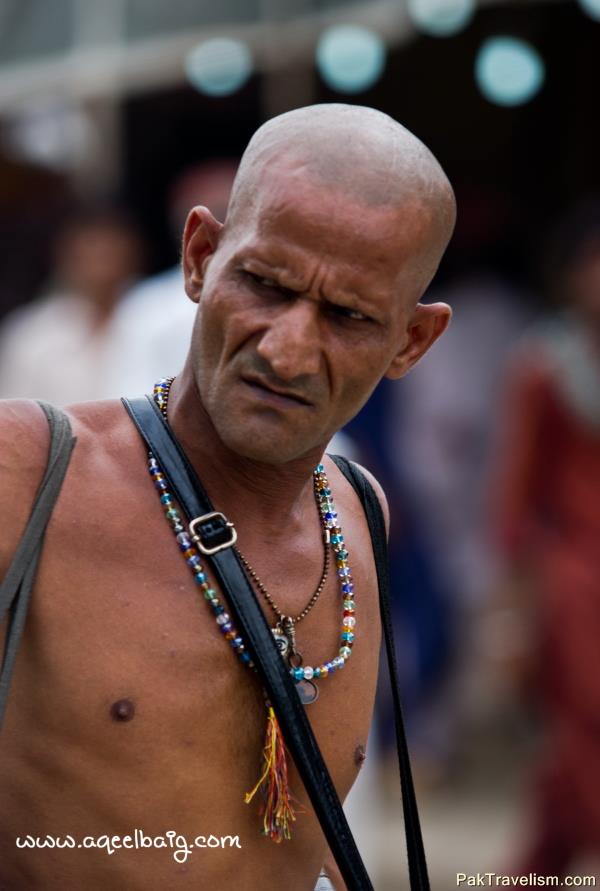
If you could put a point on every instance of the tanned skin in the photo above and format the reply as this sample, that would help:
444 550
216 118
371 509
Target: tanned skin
127 709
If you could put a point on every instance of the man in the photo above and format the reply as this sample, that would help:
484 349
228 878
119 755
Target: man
127 709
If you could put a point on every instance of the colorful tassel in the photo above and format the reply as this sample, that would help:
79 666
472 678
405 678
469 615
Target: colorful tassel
276 810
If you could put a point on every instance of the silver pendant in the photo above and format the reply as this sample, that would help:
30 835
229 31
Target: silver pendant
307 691
281 642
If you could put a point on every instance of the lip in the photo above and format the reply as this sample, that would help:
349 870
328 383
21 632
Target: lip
281 397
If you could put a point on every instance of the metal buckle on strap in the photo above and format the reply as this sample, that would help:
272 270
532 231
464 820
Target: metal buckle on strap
196 535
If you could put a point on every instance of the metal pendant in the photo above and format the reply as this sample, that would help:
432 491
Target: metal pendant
281 641
307 691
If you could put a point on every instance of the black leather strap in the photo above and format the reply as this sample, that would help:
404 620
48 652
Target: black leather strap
252 624
417 865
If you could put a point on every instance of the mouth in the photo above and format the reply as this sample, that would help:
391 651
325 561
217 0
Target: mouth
274 395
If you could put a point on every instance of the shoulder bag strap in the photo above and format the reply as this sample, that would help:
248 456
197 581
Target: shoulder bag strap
15 590
417 865
216 535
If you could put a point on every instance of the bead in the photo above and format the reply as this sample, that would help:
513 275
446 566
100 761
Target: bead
331 527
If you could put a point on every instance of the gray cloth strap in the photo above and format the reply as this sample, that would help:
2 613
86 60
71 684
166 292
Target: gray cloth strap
15 590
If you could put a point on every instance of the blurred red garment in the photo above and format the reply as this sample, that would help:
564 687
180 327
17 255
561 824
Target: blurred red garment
549 527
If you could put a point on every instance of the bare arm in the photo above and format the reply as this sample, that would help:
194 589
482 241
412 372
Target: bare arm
332 872
330 867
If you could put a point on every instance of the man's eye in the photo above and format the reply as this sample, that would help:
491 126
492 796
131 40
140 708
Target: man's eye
346 312
262 280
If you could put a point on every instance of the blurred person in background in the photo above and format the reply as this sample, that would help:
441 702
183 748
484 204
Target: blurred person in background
150 331
548 525
441 425
58 348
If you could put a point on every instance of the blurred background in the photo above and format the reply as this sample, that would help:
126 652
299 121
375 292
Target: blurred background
117 117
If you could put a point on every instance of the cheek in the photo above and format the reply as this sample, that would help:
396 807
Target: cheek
226 320
356 383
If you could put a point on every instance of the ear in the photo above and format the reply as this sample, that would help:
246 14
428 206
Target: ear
200 240
428 322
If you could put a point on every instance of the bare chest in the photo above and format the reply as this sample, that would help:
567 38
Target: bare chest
124 661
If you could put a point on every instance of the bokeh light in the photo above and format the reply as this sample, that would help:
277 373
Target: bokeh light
508 71
350 58
441 18
219 67
591 8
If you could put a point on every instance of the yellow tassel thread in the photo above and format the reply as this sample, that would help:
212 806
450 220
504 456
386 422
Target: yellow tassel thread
276 810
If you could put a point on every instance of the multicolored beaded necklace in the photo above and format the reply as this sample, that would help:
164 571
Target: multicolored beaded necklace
277 810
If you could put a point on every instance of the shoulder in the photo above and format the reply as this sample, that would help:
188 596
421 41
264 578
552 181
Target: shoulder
24 441
381 496
24 437
104 437
377 487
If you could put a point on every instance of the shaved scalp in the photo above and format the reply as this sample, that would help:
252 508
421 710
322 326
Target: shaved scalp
361 152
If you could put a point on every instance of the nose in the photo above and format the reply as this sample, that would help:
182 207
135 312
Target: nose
291 344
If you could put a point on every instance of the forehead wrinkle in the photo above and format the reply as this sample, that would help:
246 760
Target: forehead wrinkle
338 296
365 157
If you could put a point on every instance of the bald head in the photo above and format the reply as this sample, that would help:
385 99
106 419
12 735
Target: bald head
358 151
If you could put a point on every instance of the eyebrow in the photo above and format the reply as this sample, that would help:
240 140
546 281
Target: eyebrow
276 273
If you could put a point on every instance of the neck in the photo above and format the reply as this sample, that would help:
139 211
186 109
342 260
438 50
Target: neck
235 483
